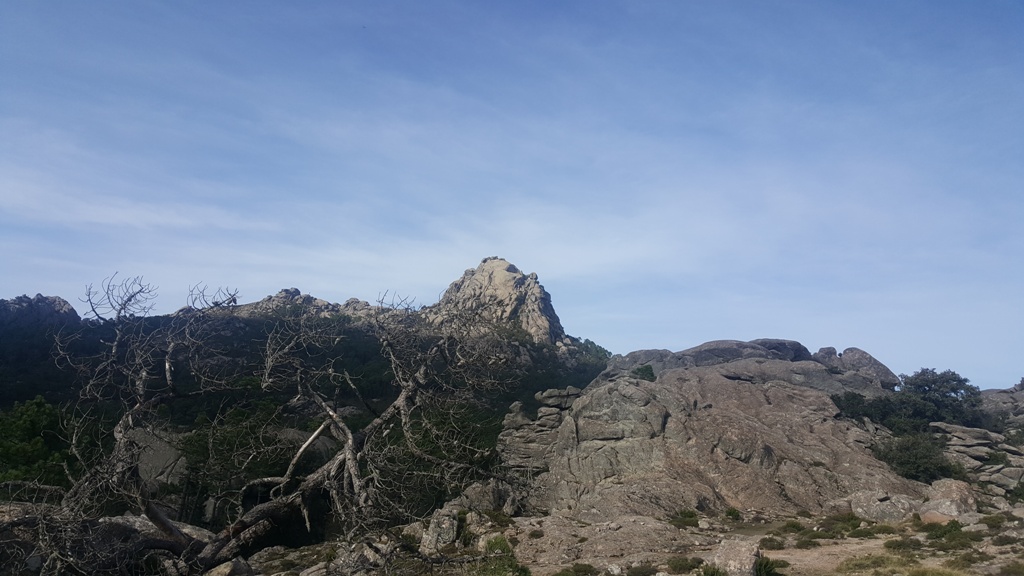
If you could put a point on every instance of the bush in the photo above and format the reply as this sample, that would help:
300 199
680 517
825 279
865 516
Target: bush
792 526
768 567
733 514
804 544
874 562
936 531
1012 569
967 559
684 519
645 372
682 564
994 521
837 524
903 544
535 534
918 457
498 545
771 543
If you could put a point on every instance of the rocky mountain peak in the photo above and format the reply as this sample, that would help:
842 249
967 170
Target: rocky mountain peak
38 311
500 292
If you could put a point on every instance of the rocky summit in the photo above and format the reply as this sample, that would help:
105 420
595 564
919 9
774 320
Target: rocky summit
499 292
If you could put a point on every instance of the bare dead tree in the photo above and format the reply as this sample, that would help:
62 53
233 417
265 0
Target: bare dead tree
423 434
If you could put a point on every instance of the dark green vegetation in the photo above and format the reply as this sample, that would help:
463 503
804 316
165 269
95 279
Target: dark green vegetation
765 566
924 397
32 446
645 372
684 519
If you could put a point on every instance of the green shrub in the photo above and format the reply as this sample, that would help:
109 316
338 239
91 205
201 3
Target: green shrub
903 544
1012 569
918 457
499 566
642 570
804 544
1017 494
733 514
771 543
937 531
792 526
957 541
768 567
500 519
861 533
838 524
645 372
498 545
967 559
682 564
994 521
874 562
997 458
684 519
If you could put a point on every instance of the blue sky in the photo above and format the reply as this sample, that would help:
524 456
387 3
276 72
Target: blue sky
838 173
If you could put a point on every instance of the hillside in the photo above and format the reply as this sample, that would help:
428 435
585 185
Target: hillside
470 435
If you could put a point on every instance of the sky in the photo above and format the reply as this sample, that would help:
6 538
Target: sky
845 174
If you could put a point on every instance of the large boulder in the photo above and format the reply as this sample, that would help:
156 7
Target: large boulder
881 506
737 556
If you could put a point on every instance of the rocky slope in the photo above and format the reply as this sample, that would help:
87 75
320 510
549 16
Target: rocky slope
725 424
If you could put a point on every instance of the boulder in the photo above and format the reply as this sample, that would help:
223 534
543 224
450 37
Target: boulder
443 529
949 498
879 506
736 556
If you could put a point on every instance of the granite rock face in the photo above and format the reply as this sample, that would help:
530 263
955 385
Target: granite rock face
724 424
501 293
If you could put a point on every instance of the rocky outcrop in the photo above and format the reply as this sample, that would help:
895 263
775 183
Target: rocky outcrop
293 298
1008 403
992 464
855 370
748 433
36 312
498 292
